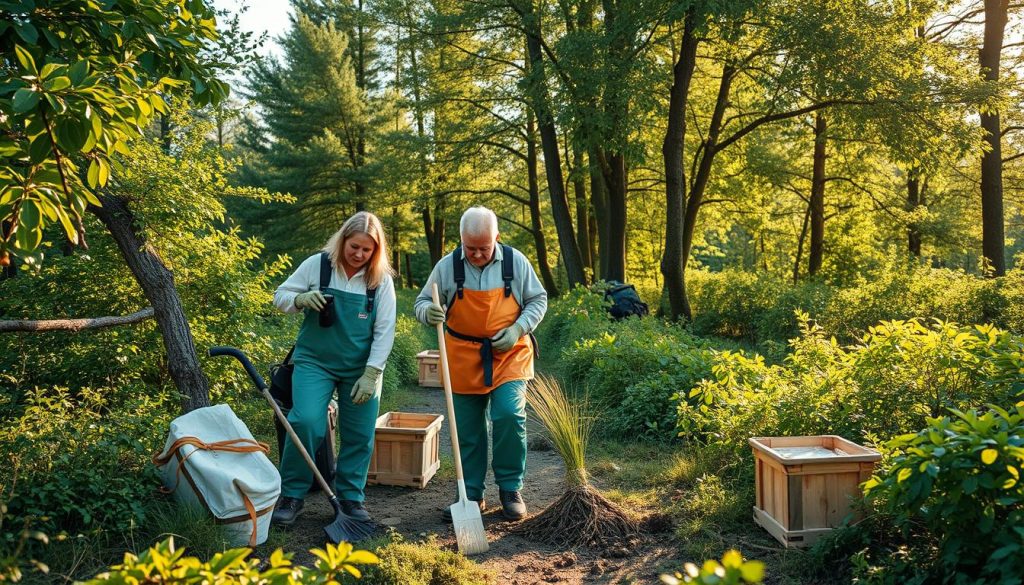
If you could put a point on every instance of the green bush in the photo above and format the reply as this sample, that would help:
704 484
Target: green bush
402 368
954 491
732 570
579 314
897 376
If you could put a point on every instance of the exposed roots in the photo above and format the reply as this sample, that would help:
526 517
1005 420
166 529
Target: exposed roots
582 516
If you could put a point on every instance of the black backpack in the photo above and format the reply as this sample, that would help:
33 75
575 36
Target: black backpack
625 301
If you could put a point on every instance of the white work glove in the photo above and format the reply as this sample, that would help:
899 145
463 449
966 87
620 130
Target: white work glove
310 300
368 385
435 314
507 337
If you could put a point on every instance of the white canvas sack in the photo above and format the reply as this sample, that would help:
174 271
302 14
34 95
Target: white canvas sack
211 460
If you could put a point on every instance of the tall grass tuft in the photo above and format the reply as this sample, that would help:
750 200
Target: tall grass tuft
581 516
567 422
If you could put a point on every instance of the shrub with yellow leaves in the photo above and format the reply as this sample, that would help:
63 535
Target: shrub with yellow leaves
731 570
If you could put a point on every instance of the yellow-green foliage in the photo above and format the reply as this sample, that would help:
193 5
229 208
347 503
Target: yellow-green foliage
163 563
890 382
425 563
732 570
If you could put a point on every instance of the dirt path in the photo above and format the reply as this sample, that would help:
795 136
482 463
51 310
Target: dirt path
513 560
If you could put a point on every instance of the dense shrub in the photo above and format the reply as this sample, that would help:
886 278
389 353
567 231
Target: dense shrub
954 491
897 376
761 308
402 368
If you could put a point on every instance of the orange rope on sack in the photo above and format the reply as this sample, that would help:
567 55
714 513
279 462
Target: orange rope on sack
252 513
230 445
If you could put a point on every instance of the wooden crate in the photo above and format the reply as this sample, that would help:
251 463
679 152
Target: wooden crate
430 368
405 449
801 497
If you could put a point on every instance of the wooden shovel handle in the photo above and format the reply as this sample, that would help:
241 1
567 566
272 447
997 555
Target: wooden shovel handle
447 383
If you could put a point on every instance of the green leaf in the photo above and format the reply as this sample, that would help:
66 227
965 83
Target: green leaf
28 32
40 149
29 217
57 84
104 173
93 174
78 71
25 99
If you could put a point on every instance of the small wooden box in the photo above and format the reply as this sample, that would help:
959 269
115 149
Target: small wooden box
405 449
804 485
430 368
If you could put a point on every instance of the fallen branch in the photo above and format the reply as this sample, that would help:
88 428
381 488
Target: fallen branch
74 324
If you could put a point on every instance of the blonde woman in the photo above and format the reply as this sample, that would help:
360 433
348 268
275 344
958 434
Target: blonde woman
344 343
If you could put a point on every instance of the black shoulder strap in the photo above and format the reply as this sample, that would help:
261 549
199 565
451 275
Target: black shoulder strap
459 269
325 271
506 268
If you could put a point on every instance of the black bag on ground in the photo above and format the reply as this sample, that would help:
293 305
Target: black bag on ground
281 391
625 301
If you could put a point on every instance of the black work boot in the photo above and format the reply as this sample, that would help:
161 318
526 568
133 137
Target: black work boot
512 505
447 513
288 509
354 509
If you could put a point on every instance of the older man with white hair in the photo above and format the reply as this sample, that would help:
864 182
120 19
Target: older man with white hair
494 302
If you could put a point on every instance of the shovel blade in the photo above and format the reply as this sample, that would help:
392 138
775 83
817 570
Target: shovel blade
469 527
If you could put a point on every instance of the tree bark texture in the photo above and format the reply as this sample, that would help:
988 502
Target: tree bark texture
599 197
571 257
915 199
157 284
74 325
673 261
817 204
992 227
582 210
537 225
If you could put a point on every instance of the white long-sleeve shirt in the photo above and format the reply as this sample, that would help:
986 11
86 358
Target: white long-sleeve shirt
307 277
526 287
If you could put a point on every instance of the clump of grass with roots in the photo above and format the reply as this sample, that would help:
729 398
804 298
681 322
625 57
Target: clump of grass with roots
581 516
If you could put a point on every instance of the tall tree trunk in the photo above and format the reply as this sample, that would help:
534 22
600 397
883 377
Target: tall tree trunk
614 166
571 257
157 284
582 210
817 204
599 197
915 199
408 271
616 179
992 234
673 261
535 214
800 244
396 255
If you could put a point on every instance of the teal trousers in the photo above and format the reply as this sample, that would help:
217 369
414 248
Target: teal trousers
507 406
314 387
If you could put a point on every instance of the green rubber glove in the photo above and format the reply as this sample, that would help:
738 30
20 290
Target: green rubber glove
507 337
310 300
435 314
368 385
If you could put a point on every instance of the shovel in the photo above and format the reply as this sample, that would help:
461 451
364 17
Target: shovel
466 520
344 528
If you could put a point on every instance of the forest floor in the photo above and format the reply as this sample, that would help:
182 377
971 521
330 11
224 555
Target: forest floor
512 559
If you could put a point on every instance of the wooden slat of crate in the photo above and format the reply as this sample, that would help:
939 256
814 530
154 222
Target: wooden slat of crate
430 373
406 449
799 499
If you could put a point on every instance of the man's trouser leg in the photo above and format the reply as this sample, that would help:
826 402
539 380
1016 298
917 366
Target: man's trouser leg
508 417
356 425
472 426
313 387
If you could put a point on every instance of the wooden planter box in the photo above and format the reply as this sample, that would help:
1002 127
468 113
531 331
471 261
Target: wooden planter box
430 368
405 449
805 484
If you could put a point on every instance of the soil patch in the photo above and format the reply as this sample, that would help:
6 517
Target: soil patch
514 560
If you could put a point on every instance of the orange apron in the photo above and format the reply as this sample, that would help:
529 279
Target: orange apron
472 320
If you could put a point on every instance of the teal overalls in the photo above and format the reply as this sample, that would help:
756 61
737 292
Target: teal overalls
327 358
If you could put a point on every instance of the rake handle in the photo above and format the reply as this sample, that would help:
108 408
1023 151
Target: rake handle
447 383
